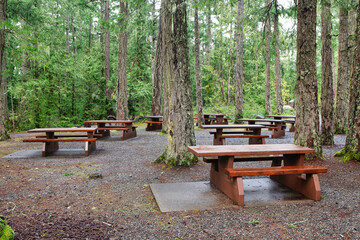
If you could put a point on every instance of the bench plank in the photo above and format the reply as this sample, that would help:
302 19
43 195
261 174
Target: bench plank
286 170
153 122
60 140
244 136
234 132
112 128
247 158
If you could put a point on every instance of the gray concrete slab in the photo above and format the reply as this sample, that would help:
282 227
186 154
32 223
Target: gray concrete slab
37 154
203 195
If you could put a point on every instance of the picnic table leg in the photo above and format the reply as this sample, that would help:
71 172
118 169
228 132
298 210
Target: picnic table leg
90 146
130 133
49 147
256 131
217 139
278 132
104 133
292 128
231 187
308 186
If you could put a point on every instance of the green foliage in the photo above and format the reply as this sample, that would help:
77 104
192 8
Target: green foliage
6 233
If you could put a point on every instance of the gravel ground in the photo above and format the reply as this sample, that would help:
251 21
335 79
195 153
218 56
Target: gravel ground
53 198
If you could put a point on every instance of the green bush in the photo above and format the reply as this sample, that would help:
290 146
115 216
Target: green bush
6 233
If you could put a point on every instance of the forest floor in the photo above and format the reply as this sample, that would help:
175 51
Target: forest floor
53 198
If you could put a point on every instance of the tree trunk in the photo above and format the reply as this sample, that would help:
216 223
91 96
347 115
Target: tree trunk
3 84
327 90
229 68
239 62
107 50
279 101
208 32
342 93
122 111
89 35
167 51
306 96
352 144
199 102
221 62
181 127
267 60
157 73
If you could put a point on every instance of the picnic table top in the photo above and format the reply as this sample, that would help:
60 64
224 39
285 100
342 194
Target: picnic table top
243 150
233 126
262 120
153 116
214 114
72 129
110 121
281 116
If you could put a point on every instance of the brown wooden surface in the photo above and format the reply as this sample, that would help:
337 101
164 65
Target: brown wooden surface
262 120
281 116
234 132
244 136
153 116
153 122
247 158
113 128
74 129
60 140
243 150
261 171
233 126
110 121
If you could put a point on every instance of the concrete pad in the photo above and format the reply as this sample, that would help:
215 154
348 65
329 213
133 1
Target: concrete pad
188 196
203 195
37 153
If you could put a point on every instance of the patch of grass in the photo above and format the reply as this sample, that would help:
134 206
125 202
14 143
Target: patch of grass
293 226
68 174
253 222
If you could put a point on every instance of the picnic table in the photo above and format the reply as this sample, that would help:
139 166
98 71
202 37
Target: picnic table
215 118
252 131
286 168
51 140
154 123
128 130
287 118
278 126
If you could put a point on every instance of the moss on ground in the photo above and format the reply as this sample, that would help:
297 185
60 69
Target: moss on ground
6 233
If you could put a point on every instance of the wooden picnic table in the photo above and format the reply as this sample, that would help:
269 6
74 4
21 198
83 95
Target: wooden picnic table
51 140
128 130
215 118
154 123
286 169
254 133
279 125
287 118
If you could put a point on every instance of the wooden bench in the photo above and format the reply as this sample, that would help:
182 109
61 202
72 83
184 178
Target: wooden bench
249 158
285 170
235 132
67 136
153 125
260 137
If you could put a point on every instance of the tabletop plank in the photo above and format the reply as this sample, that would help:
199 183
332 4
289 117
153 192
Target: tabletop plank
244 150
73 129
261 120
233 126
110 121
281 116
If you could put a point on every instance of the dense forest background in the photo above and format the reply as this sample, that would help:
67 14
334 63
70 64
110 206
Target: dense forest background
55 57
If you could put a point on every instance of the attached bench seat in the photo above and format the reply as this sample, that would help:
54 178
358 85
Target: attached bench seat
261 138
150 122
285 170
68 135
249 158
60 140
234 132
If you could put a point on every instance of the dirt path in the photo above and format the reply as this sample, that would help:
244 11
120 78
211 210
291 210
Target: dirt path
53 198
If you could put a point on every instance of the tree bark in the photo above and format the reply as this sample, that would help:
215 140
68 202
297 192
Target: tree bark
342 91
279 100
157 73
229 68
181 127
327 89
3 84
208 32
352 144
199 102
122 111
239 62
167 59
89 34
306 96
267 60
107 50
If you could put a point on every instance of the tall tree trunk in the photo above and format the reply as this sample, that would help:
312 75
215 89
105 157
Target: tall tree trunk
267 60
306 92
229 68
89 34
157 73
352 144
166 6
327 90
107 50
3 84
221 62
199 102
208 32
342 91
153 39
279 100
181 127
122 111
239 62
